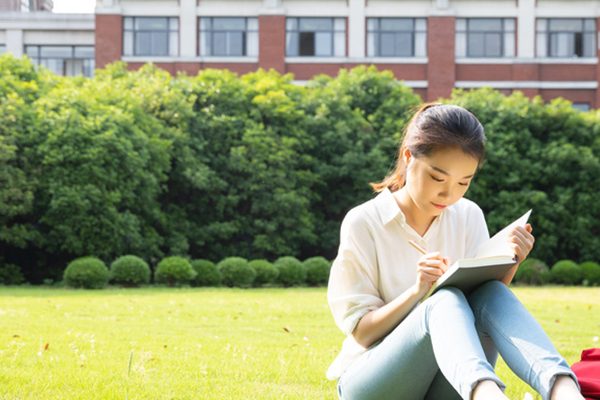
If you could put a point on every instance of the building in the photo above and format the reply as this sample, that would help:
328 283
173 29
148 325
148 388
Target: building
541 47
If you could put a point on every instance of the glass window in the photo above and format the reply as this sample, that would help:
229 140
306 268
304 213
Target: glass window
396 37
485 37
317 37
150 36
224 36
581 106
64 60
2 49
566 37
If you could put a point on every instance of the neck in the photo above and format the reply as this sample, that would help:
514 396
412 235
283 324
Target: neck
415 218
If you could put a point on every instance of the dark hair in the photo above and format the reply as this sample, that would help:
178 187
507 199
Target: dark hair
436 126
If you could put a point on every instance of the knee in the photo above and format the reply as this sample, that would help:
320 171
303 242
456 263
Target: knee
492 290
449 295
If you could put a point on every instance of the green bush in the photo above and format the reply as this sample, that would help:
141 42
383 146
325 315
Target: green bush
266 273
174 271
236 272
317 270
10 274
533 272
130 271
87 272
291 271
567 272
591 273
207 273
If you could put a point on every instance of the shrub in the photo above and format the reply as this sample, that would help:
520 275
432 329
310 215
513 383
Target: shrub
10 274
533 272
266 273
174 271
567 272
291 271
208 274
317 270
591 273
86 272
130 271
236 271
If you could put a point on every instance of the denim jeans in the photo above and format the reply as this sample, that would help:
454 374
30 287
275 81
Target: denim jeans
449 343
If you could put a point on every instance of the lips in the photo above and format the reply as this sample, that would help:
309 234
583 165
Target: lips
439 206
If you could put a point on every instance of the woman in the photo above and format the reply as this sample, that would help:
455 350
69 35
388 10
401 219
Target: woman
445 347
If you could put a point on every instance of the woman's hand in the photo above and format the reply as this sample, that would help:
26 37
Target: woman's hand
521 241
429 269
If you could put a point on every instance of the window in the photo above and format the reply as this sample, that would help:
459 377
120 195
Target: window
320 37
229 37
150 36
397 37
64 60
562 37
485 37
581 106
2 49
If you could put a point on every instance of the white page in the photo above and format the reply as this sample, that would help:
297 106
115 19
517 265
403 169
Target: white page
499 244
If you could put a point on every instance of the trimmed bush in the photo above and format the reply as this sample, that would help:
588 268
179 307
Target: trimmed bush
86 272
266 273
10 274
591 273
130 271
174 271
236 271
291 271
317 270
567 272
208 274
533 272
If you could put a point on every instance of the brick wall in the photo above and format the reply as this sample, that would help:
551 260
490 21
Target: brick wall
109 39
441 70
271 42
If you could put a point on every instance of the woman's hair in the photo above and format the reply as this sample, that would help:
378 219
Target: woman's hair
433 127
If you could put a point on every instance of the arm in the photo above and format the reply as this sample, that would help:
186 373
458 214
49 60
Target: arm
521 241
378 323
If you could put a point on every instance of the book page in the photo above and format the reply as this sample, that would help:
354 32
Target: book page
499 245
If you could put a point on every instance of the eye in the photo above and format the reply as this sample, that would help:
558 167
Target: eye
436 179
464 184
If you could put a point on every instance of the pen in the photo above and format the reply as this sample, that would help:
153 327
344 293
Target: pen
417 246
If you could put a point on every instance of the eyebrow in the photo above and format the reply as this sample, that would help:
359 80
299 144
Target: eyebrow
447 174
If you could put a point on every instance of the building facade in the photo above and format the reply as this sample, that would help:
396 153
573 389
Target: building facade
540 47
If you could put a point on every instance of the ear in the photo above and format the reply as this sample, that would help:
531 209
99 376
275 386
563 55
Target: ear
406 156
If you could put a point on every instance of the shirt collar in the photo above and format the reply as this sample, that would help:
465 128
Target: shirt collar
387 208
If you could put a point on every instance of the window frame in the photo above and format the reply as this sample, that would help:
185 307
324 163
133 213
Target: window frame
332 31
211 31
503 32
134 36
376 52
38 60
547 33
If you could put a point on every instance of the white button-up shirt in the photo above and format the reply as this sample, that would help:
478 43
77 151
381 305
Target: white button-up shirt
375 262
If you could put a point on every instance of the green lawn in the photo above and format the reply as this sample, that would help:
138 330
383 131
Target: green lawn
209 343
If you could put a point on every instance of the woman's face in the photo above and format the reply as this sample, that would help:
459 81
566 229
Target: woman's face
440 180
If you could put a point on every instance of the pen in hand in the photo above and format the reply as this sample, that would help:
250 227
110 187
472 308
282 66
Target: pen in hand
417 246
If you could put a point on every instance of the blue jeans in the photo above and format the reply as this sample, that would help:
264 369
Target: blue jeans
451 342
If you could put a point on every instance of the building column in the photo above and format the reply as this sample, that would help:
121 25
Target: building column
109 39
271 36
356 29
14 42
441 68
188 30
526 29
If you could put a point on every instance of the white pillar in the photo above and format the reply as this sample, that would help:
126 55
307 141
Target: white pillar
526 32
14 42
188 33
356 29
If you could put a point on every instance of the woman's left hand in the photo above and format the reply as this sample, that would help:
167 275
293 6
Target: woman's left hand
521 241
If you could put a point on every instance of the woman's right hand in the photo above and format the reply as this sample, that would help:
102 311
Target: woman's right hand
429 269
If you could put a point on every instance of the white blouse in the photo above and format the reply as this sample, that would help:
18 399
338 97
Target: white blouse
375 262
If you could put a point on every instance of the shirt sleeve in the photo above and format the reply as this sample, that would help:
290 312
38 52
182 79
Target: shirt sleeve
352 291
476 230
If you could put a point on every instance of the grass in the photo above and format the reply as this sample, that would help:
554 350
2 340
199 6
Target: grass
209 343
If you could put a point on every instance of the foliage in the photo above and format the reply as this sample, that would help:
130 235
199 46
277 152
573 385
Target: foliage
291 271
207 273
130 271
533 272
567 272
591 273
87 273
266 273
317 270
10 274
174 270
236 271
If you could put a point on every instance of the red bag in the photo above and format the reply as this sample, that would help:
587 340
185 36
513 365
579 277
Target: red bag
588 373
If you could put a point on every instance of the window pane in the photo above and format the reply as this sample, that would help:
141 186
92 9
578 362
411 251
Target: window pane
143 44
541 45
542 24
252 44
2 49
421 44
589 25
173 24
128 23
387 44
88 68
476 43
174 43
581 106
205 24
396 24
485 24
493 45
323 44
562 44
252 24
128 43
307 44
566 25
73 67
461 44
461 24
291 24
589 45
229 24
509 24
404 45
159 44
56 52
339 24
316 24
509 45
205 44
219 47
55 65
32 51
151 24
291 44
84 52
372 24
371 44
235 43
339 43
421 24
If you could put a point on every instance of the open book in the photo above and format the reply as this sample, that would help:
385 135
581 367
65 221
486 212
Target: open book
494 258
